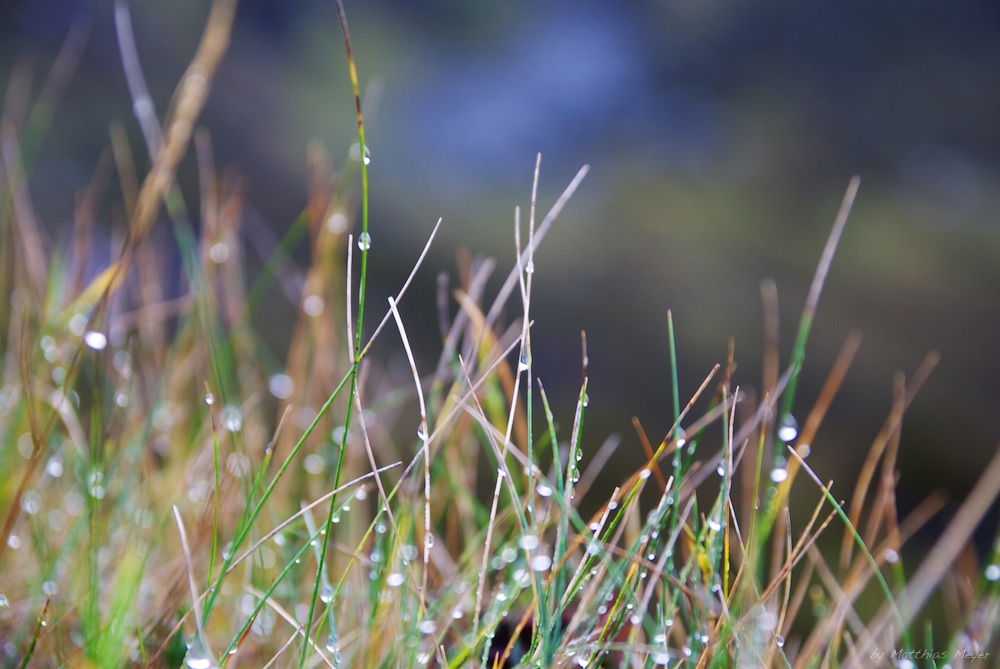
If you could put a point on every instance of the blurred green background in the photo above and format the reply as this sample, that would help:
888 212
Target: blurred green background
721 137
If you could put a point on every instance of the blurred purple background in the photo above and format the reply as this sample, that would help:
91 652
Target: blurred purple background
721 137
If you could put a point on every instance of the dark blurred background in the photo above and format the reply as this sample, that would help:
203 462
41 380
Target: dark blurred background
721 137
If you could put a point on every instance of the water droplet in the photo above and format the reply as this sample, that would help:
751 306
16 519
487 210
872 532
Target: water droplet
281 386
4 603
645 474
905 663
76 325
788 428
524 361
394 580
238 464
232 419
529 267
30 503
528 542
780 640
313 464
541 562
209 399
313 305
992 572
408 552
355 153
326 593
891 556
421 433
543 490
680 436
95 484
219 253
612 505
661 659
586 399
197 656
714 525
720 470
364 241
95 340
337 223
54 467
779 474
428 541
427 627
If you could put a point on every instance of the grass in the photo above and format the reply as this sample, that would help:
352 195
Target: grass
175 493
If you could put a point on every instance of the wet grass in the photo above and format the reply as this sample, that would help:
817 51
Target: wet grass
175 493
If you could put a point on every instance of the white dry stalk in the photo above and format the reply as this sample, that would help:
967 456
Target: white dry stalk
425 449
519 272
191 583
543 228
503 473
142 101
350 290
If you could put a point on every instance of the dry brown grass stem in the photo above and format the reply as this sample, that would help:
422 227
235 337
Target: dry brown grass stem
941 557
889 428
